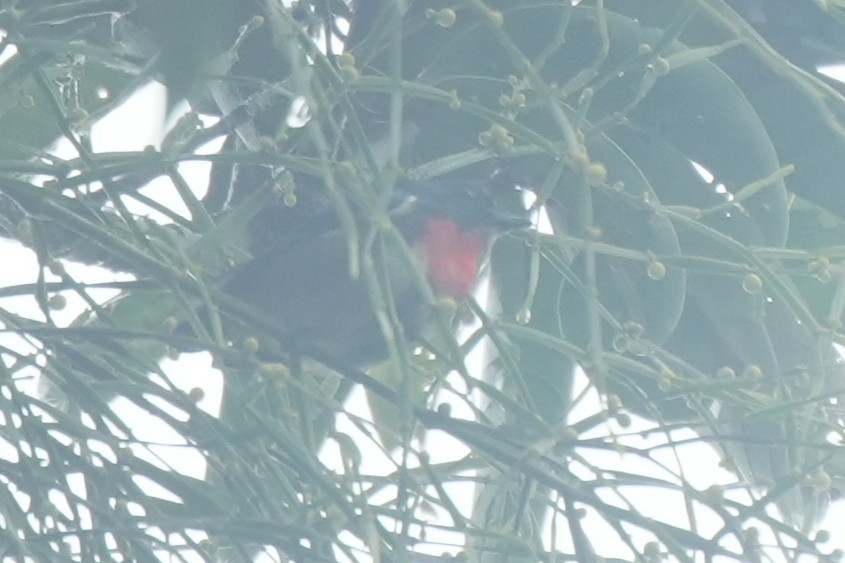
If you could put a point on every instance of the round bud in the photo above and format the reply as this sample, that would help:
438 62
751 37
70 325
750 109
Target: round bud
716 494
346 173
500 138
726 373
498 131
595 174
651 551
633 329
196 394
57 302
752 283
169 324
820 481
345 60
251 345
656 270
346 66
753 372
485 138
621 343
56 268
349 73
335 518
446 17
77 116
821 263
496 17
504 144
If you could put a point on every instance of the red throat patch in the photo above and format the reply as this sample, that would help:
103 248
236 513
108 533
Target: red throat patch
452 257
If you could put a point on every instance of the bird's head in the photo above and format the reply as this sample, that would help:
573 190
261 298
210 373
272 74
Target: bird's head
454 224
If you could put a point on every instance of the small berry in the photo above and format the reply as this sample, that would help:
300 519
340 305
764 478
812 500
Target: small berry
170 323
820 481
595 173
496 17
656 270
251 344
753 372
725 373
56 268
752 283
57 302
445 18
822 536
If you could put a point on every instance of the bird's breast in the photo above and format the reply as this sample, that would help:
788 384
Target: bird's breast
452 257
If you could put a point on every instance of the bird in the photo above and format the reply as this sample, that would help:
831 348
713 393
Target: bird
302 285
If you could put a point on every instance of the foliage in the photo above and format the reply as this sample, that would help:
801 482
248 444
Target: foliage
687 172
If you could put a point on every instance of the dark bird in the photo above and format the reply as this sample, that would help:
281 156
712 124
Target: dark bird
303 285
